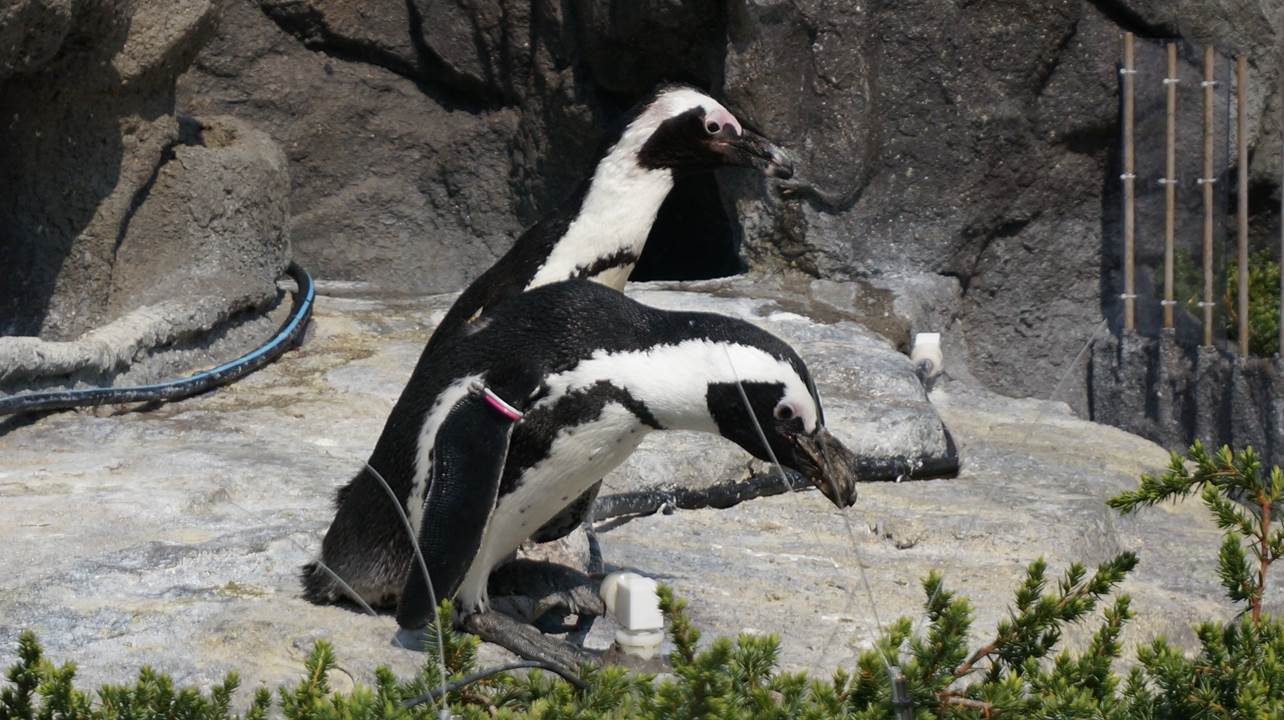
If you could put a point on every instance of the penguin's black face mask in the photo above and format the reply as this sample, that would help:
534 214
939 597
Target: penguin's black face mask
692 142
816 455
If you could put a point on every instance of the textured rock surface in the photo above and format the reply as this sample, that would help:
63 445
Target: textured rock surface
173 537
125 228
968 140
205 242
392 184
88 124
1174 394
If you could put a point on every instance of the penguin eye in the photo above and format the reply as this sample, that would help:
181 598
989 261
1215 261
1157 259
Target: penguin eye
713 127
785 412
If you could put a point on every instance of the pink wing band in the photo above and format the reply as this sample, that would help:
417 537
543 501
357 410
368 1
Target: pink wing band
508 411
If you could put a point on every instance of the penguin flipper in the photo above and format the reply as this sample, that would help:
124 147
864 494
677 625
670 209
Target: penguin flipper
468 461
573 516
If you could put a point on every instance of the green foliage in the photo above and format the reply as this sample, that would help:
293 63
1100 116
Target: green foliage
1263 304
733 679
1236 673
1241 496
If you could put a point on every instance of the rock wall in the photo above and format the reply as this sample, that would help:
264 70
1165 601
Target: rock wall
123 227
1175 394
969 140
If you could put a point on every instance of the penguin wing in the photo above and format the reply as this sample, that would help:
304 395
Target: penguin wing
467 463
565 522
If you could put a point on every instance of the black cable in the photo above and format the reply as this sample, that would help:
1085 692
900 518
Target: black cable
289 334
483 674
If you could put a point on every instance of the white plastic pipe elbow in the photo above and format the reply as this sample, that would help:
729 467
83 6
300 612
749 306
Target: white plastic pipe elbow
634 602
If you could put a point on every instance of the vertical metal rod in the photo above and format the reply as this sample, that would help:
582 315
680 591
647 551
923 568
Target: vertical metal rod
1170 185
1241 143
1129 178
1207 182
1281 258
902 706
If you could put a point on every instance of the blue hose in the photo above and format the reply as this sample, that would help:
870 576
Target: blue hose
226 373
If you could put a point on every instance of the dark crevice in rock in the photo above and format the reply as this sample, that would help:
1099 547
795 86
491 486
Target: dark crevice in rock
431 75
1049 69
140 196
1006 229
1131 21
1090 140
190 132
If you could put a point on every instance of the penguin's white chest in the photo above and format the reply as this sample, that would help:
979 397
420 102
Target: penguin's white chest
579 456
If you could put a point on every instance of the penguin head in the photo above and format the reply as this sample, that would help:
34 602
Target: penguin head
785 406
685 131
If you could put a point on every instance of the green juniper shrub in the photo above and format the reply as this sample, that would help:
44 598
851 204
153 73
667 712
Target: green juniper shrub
1236 673
1263 304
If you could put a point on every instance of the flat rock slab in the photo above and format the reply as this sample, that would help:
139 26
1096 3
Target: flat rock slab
173 537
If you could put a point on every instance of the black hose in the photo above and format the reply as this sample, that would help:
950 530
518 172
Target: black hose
288 335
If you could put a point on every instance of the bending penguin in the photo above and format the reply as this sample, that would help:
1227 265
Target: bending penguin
501 429
599 231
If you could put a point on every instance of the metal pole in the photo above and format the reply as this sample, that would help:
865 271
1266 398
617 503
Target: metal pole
902 706
1281 258
1241 141
1129 176
1170 185
1207 182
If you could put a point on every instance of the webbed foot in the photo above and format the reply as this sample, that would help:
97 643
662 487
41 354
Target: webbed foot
530 590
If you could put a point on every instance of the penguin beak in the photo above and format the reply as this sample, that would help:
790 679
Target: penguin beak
828 465
749 149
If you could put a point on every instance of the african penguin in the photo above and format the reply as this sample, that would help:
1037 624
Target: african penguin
599 232
589 373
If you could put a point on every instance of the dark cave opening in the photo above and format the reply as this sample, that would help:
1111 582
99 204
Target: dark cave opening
694 237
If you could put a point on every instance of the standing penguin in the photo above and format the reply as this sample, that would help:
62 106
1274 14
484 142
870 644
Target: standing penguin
599 231
501 429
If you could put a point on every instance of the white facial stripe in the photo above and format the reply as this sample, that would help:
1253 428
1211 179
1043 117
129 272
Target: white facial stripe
446 401
672 380
623 197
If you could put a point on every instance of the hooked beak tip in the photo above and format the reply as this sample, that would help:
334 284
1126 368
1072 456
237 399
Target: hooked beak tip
833 469
781 169
765 155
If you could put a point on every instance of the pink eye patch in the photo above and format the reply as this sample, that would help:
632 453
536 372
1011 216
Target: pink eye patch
722 117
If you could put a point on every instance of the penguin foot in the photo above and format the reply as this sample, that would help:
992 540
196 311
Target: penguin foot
531 590
526 641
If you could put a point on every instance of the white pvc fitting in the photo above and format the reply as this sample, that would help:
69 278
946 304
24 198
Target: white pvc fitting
926 354
633 601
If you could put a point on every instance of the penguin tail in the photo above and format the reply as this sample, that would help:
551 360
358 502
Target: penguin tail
318 586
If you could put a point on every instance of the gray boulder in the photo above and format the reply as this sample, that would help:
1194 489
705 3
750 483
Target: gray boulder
129 231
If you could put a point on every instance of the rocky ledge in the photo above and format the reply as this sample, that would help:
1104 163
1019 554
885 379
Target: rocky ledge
172 537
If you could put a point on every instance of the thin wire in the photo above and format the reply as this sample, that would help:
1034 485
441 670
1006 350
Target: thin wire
343 584
1029 429
851 535
423 567
1065 375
